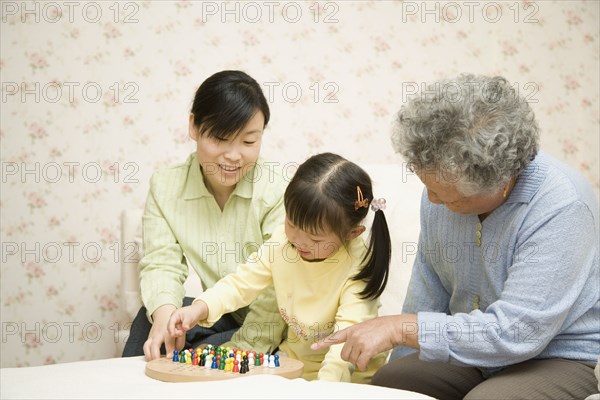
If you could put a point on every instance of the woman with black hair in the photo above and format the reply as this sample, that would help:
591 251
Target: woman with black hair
211 212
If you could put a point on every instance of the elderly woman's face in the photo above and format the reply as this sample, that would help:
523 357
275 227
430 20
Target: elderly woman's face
441 190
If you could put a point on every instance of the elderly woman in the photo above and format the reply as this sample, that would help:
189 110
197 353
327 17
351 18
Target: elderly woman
503 300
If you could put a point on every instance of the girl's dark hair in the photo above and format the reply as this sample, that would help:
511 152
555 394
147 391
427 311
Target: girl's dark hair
321 198
225 102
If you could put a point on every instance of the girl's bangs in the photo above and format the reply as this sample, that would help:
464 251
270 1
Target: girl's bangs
306 210
311 211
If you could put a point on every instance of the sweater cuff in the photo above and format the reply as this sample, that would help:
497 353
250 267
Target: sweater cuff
333 368
435 333
336 372
215 309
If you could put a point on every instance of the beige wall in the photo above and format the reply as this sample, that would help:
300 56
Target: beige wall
95 97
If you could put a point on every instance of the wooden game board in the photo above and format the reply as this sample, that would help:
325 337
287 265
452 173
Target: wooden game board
166 370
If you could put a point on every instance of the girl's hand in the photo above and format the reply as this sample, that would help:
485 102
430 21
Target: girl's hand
183 319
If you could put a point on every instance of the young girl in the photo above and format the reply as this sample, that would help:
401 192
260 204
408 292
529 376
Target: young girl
198 213
324 275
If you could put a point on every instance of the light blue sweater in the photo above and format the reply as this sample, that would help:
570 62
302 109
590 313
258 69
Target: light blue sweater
531 289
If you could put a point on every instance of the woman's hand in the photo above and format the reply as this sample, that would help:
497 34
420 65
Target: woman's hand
159 334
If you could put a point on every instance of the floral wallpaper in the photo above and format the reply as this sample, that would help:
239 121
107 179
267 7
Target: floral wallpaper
96 95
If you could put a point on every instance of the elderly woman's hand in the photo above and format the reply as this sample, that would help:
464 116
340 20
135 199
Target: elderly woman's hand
365 340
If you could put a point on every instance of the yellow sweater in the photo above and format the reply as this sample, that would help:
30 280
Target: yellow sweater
314 298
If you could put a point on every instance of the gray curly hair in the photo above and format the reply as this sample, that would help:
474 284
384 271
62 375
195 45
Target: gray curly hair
476 127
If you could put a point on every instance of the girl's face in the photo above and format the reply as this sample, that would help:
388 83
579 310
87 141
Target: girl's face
312 247
226 161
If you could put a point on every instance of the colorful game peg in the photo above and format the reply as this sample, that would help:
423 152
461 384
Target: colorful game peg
228 364
175 356
276 360
244 365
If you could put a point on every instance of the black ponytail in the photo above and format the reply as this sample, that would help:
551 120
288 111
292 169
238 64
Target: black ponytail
376 264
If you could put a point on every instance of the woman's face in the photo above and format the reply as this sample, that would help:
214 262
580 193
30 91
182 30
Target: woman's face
442 191
226 161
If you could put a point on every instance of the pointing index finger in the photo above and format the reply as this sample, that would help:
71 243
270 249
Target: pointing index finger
334 338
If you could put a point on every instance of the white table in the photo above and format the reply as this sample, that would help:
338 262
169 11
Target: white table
119 378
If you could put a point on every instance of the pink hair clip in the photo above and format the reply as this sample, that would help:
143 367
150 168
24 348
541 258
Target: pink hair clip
378 204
